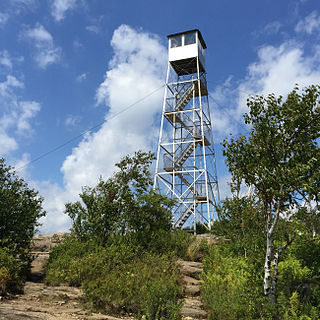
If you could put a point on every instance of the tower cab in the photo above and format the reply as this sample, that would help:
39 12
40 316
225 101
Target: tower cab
185 50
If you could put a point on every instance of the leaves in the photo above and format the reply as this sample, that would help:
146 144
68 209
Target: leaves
282 149
21 207
125 203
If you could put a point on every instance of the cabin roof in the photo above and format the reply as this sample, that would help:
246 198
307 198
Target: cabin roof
189 31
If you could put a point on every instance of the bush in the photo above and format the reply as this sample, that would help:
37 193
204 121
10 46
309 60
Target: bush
226 290
148 286
118 278
65 262
197 250
232 288
12 273
176 242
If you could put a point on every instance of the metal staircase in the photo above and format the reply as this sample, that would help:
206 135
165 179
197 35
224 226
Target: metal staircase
184 217
186 97
185 168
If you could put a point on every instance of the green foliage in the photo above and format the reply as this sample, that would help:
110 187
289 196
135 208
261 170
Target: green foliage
242 224
300 311
118 278
65 262
19 212
281 159
230 288
197 250
123 204
12 272
292 275
281 155
147 286
175 242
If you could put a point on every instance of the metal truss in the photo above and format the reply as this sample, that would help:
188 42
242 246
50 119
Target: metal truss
185 166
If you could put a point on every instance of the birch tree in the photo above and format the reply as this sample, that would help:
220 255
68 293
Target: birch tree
280 157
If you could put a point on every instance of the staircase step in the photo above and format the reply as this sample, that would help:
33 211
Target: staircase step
191 269
193 313
190 280
192 290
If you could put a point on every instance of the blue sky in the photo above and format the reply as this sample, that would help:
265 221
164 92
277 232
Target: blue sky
67 65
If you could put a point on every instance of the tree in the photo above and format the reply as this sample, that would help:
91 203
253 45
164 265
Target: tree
281 159
21 208
123 204
241 223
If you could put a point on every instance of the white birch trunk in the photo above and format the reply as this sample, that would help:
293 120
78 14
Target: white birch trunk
267 265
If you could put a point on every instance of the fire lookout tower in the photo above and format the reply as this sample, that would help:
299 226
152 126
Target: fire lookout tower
185 167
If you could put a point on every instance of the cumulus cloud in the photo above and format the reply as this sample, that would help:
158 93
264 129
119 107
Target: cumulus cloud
277 70
59 8
28 110
223 120
55 198
15 115
136 69
45 52
309 24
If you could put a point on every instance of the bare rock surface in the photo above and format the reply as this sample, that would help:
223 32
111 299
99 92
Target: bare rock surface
42 302
192 306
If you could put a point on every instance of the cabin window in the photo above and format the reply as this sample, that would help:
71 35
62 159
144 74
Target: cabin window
190 38
176 41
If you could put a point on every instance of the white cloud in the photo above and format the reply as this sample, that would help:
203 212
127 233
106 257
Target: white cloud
136 69
223 119
5 59
46 52
273 27
7 143
278 69
3 18
28 110
309 24
15 115
77 44
60 7
81 77
93 29
72 120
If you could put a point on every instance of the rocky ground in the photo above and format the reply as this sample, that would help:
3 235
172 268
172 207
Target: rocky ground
63 303
192 307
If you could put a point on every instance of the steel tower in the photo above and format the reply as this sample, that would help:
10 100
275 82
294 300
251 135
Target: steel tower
185 166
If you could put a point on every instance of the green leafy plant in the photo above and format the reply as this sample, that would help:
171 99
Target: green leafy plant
281 159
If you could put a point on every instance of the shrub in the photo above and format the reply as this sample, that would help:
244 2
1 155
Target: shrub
149 286
197 250
176 242
12 273
118 278
65 262
231 287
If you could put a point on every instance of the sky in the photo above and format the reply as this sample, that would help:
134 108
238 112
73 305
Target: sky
81 81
